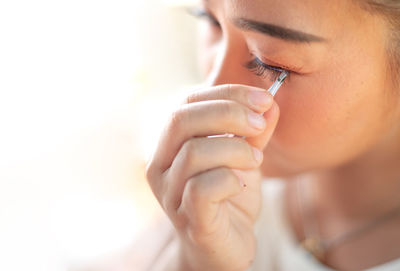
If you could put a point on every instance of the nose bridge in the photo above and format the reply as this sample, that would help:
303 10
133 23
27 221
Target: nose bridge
227 64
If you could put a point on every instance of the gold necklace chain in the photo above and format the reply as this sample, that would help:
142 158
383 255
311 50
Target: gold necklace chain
318 247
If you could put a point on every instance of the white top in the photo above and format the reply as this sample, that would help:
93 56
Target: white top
277 249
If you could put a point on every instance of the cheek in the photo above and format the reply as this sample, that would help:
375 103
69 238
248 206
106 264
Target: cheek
327 119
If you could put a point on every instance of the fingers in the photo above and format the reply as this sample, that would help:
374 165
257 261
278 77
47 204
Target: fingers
271 118
257 99
188 165
202 195
201 154
252 181
204 119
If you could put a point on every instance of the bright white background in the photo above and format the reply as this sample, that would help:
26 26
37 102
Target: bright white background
84 85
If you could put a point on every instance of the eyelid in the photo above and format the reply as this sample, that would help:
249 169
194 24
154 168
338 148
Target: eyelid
270 63
274 68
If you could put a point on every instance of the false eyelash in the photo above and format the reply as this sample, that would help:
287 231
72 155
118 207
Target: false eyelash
202 13
261 69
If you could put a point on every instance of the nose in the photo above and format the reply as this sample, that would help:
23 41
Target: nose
228 65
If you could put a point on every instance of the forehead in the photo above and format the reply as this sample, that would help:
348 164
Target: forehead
313 16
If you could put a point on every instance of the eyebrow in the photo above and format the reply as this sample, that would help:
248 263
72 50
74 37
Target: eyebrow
276 31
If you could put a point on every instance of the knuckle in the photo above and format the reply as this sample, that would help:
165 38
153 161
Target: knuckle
196 235
234 113
233 92
229 110
193 193
177 119
188 152
179 219
191 98
167 205
150 172
229 90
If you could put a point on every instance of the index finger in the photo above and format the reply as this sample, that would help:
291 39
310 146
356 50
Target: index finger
257 99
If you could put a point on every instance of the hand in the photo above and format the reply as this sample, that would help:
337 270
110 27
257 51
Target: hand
210 187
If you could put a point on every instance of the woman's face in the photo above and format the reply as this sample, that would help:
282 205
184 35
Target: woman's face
336 104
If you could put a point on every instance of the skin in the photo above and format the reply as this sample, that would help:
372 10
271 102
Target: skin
335 121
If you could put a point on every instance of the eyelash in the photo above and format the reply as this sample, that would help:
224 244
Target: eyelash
263 70
258 67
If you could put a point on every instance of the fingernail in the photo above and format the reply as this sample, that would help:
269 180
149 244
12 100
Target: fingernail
256 120
259 98
258 155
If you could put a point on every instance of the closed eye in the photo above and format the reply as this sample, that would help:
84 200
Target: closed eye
263 70
256 66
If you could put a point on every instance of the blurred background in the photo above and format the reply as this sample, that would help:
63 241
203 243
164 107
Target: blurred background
85 87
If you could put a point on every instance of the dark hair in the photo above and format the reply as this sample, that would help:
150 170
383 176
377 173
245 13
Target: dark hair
390 10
